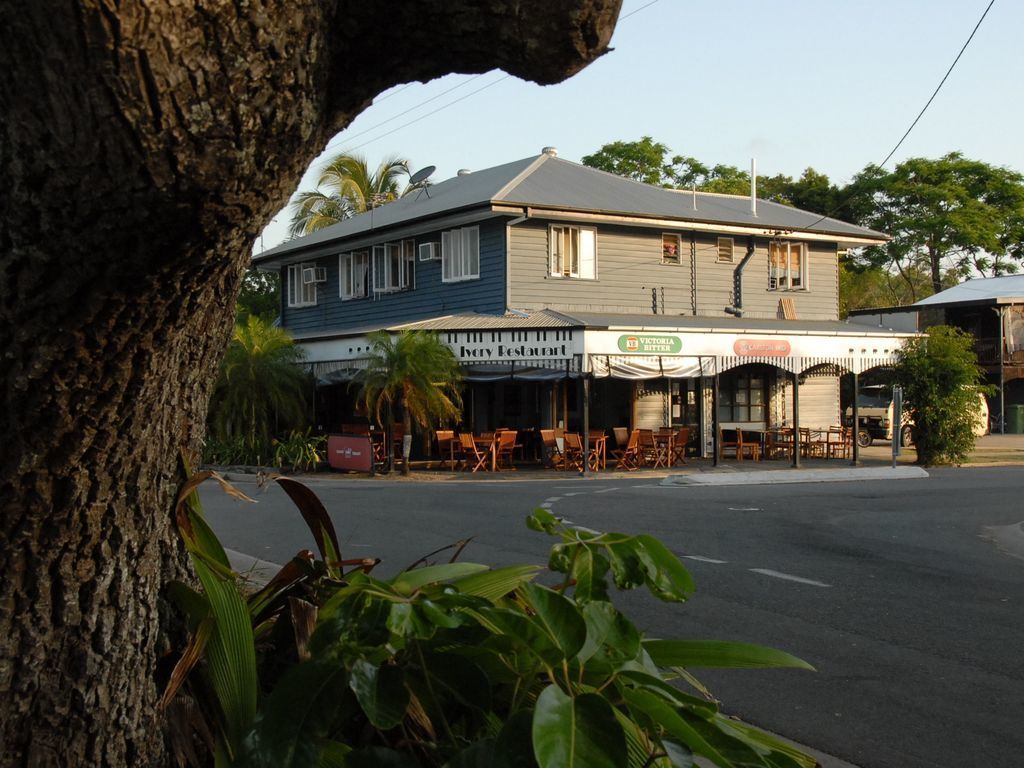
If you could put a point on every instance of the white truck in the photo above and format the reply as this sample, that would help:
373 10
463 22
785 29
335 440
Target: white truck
874 412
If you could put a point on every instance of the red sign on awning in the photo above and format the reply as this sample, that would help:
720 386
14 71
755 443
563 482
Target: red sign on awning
761 348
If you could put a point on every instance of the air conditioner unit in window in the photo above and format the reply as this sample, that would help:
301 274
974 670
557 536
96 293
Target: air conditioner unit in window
429 252
314 275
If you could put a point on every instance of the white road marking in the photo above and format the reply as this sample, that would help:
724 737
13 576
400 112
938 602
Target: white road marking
585 529
789 577
703 559
551 499
546 505
574 493
607 490
744 509
649 485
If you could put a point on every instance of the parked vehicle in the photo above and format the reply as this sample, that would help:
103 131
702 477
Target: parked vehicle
874 412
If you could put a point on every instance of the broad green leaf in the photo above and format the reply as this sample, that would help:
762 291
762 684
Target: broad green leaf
589 570
493 585
332 754
662 713
297 714
779 752
381 692
611 637
405 621
408 582
230 654
514 745
576 732
558 616
316 517
192 603
667 578
679 755
478 755
654 684
719 654
515 629
458 679
380 757
627 569
542 520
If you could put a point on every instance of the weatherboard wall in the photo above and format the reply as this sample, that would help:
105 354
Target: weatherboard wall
429 298
632 278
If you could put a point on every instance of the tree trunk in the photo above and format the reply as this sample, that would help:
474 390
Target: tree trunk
143 145
935 263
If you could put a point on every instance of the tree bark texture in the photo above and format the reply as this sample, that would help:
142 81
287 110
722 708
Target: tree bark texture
143 145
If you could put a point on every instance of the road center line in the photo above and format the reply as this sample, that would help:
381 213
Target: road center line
607 490
788 577
702 559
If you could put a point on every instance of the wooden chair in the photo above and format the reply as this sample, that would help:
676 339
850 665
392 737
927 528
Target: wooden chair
474 456
573 452
730 440
839 443
553 457
779 443
679 444
811 446
446 446
506 445
628 456
621 436
750 444
648 447
664 439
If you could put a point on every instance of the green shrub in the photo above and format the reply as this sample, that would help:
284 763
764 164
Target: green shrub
235 450
941 382
454 664
299 452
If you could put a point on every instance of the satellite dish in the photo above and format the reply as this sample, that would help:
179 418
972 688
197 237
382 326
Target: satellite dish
421 175
419 179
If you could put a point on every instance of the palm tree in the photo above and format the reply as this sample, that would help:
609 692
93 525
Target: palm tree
415 371
260 381
346 187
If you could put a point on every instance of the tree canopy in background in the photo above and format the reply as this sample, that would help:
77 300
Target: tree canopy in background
260 296
949 218
346 186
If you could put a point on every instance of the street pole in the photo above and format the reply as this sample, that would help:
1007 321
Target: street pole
856 421
796 421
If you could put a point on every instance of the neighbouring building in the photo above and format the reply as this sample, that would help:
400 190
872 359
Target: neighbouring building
990 309
571 295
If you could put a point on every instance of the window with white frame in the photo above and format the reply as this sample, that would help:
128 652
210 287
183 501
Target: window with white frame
353 274
394 266
787 266
670 248
572 252
300 294
460 254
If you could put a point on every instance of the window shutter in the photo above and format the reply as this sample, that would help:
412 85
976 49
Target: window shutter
345 275
588 254
555 237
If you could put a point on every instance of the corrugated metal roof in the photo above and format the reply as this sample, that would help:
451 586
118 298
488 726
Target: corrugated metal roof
548 181
723 324
991 290
471 321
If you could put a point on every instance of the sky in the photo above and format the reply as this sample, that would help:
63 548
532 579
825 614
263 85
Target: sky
826 84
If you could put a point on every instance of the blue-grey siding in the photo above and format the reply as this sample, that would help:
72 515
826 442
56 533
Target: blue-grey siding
430 297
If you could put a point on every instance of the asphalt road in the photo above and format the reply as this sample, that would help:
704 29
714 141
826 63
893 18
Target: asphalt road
892 590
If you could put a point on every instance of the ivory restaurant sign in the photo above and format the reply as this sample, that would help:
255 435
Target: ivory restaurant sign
650 344
507 346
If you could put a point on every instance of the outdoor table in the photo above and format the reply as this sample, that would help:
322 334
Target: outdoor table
599 444
663 447
489 441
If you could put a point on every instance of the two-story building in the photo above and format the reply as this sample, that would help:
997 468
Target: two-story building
568 293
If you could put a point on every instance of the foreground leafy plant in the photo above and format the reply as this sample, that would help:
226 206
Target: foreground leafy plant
455 664
300 451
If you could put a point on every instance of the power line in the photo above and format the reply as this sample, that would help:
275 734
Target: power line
338 140
920 114
414 107
939 87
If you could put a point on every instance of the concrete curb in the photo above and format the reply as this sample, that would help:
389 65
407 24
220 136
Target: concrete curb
256 572
776 477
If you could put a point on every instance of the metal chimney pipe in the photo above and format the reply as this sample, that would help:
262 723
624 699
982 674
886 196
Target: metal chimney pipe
753 186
